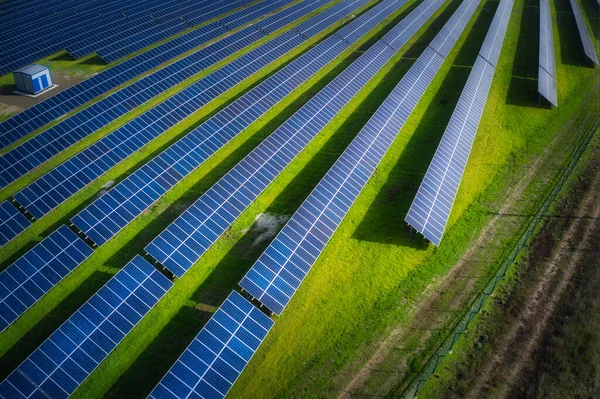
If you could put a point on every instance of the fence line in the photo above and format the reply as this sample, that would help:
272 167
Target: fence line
446 346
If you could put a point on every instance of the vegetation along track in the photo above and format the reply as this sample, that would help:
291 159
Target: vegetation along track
378 296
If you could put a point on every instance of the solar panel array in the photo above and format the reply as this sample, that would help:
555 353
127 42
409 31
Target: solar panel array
34 274
115 209
51 28
12 18
112 50
67 100
135 24
216 357
12 222
279 271
183 242
433 202
181 15
50 190
584 34
15 13
24 45
58 366
49 143
546 66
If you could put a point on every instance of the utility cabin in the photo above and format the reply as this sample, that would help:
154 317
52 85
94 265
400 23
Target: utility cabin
33 79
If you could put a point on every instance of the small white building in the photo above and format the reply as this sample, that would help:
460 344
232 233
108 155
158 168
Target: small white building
33 79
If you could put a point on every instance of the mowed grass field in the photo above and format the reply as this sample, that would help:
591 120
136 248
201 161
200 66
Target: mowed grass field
373 269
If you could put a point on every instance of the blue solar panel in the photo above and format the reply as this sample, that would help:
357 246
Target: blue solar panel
34 274
115 209
546 65
280 270
12 222
217 356
58 366
83 32
492 44
432 205
170 20
183 243
59 104
25 45
584 34
16 14
40 148
50 190
112 50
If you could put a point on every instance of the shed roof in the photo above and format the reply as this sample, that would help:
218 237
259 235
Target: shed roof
32 69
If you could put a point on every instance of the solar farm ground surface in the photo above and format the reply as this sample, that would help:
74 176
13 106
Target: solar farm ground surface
373 275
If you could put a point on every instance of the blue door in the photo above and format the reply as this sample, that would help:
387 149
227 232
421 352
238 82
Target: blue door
44 79
40 83
37 84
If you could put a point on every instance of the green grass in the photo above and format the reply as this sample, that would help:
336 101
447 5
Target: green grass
372 268
89 269
358 287
565 358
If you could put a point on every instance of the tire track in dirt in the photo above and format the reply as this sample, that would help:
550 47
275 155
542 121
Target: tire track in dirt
515 351
462 267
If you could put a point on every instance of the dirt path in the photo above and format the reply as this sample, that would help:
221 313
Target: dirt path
422 311
514 353
461 268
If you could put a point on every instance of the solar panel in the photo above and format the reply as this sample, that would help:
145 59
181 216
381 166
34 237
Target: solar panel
183 242
52 141
12 222
546 67
83 32
34 274
172 20
115 209
112 50
67 100
30 44
217 356
50 190
60 364
432 205
280 270
584 34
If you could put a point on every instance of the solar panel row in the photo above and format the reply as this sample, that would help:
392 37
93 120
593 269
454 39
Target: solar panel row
584 34
111 14
17 8
58 366
217 356
40 148
34 274
132 25
53 22
12 222
433 202
183 242
59 104
279 271
28 45
115 209
546 66
18 17
121 48
50 190
174 19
